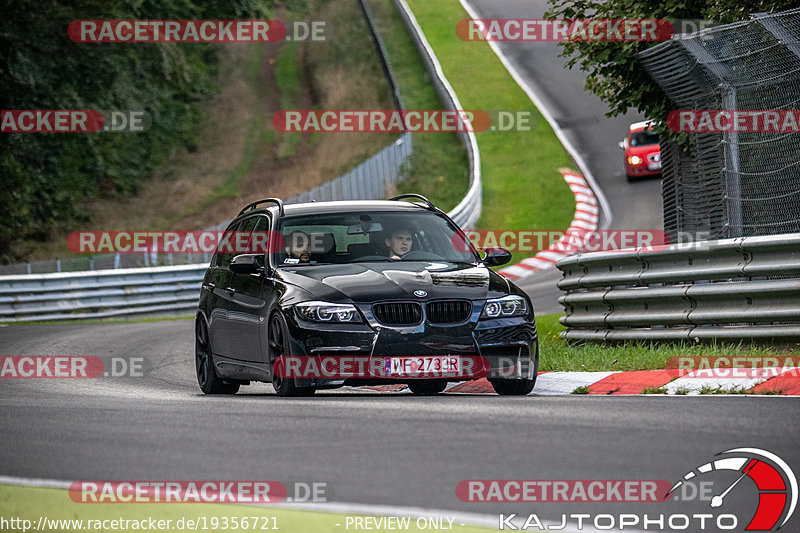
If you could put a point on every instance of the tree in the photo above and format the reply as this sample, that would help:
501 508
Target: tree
46 176
614 72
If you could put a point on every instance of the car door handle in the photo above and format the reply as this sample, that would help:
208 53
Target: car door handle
230 290
209 286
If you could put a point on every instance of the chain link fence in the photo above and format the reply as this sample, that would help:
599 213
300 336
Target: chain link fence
732 183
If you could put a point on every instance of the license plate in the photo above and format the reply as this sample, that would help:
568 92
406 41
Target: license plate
422 365
654 166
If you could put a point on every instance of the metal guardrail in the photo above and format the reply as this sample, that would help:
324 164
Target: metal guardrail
371 180
100 293
731 289
368 181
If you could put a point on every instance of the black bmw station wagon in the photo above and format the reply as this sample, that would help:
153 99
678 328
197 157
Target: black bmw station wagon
360 293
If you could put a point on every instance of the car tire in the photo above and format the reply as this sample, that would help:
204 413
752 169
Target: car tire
207 377
427 387
279 346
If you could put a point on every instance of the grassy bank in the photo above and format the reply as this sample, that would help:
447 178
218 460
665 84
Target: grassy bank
555 354
54 505
439 167
522 188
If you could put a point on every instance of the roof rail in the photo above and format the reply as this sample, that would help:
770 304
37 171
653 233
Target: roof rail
276 201
417 196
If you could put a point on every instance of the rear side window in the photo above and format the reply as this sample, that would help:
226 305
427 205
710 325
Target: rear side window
224 259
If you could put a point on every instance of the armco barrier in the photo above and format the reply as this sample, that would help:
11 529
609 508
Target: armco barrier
730 289
100 293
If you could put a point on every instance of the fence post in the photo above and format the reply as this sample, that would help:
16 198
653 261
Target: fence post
733 183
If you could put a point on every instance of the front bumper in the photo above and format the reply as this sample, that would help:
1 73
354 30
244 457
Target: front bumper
509 345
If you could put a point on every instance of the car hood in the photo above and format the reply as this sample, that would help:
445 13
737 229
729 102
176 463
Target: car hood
370 282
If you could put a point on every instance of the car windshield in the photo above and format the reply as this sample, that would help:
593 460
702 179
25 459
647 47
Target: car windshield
355 237
643 138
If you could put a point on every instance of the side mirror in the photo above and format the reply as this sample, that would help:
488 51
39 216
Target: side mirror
247 264
496 256
621 145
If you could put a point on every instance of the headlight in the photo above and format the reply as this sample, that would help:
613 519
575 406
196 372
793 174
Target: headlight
505 307
634 160
328 312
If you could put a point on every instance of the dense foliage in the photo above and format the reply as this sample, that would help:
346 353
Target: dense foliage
614 73
46 176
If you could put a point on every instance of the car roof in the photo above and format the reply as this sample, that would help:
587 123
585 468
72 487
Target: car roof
313 208
638 126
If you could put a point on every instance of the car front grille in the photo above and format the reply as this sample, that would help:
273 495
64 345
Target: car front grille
449 311
398 313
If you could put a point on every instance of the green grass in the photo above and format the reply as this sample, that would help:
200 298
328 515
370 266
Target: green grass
256 131
719 389
655 390
581 390
439 167
555 354
288 79
522 188
29 503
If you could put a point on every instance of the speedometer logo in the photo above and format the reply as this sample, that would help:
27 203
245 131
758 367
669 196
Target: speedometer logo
776 483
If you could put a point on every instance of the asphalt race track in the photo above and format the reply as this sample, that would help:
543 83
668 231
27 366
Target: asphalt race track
634 205
371 448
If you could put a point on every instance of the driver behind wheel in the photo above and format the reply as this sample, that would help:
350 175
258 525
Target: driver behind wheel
399 242
298 247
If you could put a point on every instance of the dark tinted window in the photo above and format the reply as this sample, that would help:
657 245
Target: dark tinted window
357 237
643 138
224 259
